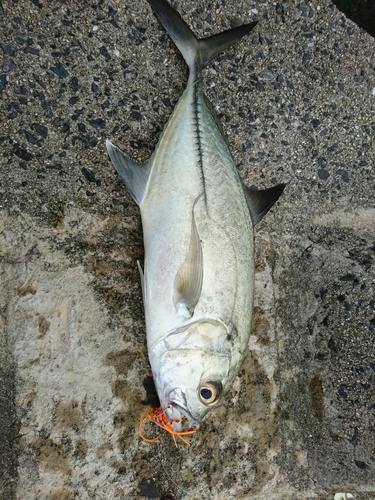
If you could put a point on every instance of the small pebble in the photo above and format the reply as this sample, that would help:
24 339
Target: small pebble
9 65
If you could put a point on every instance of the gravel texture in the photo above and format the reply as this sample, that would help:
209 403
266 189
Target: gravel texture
297 102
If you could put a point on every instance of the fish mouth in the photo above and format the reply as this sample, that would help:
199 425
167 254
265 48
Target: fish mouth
184 412
175 412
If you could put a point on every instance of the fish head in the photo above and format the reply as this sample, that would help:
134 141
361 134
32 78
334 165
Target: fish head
193 366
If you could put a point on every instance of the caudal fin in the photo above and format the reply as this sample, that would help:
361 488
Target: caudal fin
193 49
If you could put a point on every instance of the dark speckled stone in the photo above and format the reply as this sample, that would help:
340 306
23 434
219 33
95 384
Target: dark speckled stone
89 174
97 123
7 49
21 38
360 464
104 52
343 174
31 50
60 70
31 138
9 65
42 130
323 174
21 152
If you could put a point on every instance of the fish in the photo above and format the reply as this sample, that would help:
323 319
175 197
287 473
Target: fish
198 222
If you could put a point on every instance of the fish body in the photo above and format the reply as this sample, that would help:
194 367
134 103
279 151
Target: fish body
197 219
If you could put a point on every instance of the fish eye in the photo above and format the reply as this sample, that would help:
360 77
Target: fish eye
209 392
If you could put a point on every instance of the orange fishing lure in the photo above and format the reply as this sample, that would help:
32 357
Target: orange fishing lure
157 416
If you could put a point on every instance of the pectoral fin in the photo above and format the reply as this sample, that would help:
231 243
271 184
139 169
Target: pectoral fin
259 202
188 283
134 175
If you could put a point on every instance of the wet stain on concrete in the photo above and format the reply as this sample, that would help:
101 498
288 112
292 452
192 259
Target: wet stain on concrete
69 416
122 361
28 287
80 448
43 326
148 488
54 456
120 389
62 494
261 326
317 395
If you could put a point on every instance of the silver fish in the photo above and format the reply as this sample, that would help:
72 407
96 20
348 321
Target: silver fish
198 220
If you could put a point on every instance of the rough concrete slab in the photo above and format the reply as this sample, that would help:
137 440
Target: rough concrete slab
297 102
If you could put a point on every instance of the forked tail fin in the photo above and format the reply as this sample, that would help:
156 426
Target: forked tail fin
195 51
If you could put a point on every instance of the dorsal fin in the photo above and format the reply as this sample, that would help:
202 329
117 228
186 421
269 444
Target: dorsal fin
259 202
188 283
134 175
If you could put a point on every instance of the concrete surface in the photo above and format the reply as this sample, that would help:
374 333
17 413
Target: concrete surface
297 103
